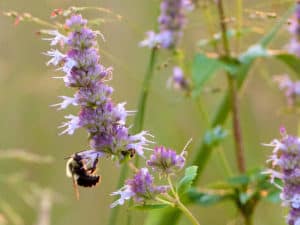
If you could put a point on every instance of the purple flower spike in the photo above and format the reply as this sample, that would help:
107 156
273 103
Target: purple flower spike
286 167
166 161
171 23
104 120
294 46
140 188
76 20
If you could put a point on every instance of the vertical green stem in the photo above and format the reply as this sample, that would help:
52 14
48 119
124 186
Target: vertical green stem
232 86
239 22
181 206
139 118
115 211
137 127
248 219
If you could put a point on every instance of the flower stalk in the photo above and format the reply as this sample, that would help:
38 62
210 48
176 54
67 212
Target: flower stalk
232 86
180 205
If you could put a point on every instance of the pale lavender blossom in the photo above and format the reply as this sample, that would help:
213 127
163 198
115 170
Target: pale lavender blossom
140 188
104 120
285 166
166 161
171 23
178 81
291 89
294 45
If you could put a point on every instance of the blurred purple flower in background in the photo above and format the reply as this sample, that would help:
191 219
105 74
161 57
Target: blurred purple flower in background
140 188
178 81
294 45
291 89
171 23
285 166
99 115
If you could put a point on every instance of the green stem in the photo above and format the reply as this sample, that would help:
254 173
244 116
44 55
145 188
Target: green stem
239 22
137 127
232 86
224 161
139 118
115 211
248 220
181 206
188 214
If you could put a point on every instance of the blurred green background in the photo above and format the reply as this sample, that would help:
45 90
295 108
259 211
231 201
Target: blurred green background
27 122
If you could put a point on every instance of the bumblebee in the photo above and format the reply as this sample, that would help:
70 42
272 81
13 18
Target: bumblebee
82 172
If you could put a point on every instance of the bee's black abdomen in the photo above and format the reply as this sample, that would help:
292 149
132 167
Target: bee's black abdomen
88 180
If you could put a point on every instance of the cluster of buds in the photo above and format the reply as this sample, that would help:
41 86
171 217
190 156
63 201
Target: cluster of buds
291 89
104 120
141 187
294 45
285 166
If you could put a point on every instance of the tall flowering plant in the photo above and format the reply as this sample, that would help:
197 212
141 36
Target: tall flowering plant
104 120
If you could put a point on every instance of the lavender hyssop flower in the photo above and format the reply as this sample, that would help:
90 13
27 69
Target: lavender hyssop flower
166 161
285 166
140 188
104 120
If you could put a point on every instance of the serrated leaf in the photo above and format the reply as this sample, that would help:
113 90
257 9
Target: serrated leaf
150 206
186 182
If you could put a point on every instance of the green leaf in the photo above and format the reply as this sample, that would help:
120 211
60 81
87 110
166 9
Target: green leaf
203 69
290 60
253 52
239 180
150 206
273 196
207 199
186 182
213 137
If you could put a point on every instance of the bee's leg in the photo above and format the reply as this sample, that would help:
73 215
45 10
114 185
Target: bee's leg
75 186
